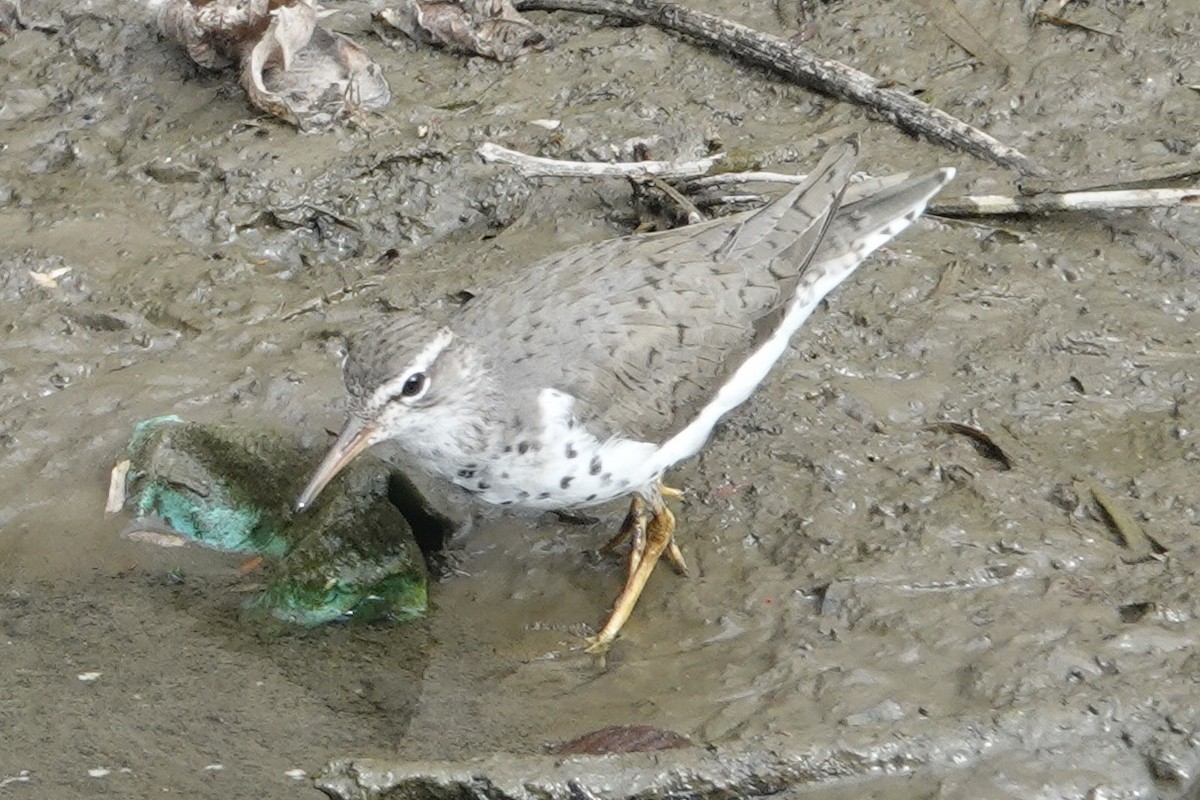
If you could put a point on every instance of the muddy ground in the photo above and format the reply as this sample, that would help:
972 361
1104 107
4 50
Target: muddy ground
877 604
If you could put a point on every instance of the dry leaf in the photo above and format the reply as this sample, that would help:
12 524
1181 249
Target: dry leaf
289 65
491 28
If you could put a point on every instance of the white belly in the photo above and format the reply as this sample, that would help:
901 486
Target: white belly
563 465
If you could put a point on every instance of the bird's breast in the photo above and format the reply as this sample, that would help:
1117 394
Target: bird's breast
551 460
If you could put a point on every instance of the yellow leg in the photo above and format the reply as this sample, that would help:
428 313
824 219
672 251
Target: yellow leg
655 538
674 554
635 517
634 527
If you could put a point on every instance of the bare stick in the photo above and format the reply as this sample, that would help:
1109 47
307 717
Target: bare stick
727 178
989 205
994 205
805 67
1002 205
730 200
694 217
536 166
977 206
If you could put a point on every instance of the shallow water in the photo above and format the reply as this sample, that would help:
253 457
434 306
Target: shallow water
856 577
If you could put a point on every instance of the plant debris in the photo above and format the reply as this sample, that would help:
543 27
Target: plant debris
289 66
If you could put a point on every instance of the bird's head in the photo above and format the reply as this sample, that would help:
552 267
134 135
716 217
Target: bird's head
414 382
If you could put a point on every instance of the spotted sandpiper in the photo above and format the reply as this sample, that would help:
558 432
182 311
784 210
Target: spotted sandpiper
585 376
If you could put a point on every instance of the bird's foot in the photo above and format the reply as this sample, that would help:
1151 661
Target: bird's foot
650 536
633 529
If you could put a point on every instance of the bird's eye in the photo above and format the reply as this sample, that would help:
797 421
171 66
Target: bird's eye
414 385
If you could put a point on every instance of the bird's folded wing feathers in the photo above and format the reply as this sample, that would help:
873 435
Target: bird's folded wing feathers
643 330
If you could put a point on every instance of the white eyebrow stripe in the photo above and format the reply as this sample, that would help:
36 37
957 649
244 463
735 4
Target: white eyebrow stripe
421 363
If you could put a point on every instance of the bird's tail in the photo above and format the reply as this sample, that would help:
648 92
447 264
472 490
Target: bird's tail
872 214
814 238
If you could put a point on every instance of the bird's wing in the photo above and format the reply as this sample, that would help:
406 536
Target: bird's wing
643 330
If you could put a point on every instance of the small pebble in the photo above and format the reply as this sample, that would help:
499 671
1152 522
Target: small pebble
296 774
88 677
98 772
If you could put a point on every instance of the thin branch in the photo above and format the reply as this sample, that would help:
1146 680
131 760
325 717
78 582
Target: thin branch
731 200
694 217
735 178
989 205
536 166
805 67
977 206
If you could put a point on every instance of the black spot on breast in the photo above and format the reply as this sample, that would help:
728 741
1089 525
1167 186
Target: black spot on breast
484 486
565 482
503 476
590 498
606 478
466 473
571 451
594 466
522 447
506 502
571 423
508 448
544 496
522 495
624 483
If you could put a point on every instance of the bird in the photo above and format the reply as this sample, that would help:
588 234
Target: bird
582 378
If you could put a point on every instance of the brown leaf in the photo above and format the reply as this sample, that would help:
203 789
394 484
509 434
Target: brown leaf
490 28
290 66
621 739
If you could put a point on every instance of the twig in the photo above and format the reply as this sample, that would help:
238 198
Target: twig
988 205
1063 22
725 178
976 206
317 303
804 66
998 205
536 166
539 167
694 217
730 200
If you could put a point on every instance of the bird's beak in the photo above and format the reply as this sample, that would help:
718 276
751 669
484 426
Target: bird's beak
354 439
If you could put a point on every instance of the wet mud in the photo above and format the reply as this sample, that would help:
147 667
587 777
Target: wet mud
876 607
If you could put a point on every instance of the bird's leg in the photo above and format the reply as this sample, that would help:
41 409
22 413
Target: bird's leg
636 517
674 554
634 528
656 536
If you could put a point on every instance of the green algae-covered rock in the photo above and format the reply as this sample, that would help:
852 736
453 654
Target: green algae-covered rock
352 554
